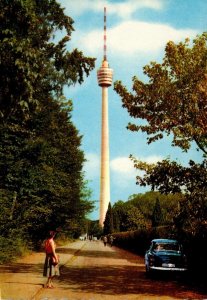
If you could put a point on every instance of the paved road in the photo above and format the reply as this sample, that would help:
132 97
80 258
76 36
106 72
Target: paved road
90 271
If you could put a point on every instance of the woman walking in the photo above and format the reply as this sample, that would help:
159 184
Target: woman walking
105 240
51 267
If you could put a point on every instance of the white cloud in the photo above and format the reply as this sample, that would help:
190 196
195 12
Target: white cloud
128 37
123 9
151 159
124 165
123 171
134 37
92 166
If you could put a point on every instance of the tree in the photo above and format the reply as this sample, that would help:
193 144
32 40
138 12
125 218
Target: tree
118 212
157 214
109 222
145 203
40 157
133 219
174 101
175 98
189 182
43 166
127 217
94 229
32 62
169 205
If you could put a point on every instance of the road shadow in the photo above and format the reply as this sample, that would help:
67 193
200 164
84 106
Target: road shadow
129 256
67 250
120 280
22 268
90 253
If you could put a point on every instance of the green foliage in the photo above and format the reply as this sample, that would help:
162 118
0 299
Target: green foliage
157 218
194 246
170 177
42 185
33 61
136 241
109 221
124 216
94 229
12 247
174 102
135 219
43 167
169 205
118 212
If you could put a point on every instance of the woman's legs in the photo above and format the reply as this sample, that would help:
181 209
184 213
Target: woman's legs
49 282
50 274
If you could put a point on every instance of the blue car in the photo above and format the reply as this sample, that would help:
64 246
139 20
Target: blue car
165 255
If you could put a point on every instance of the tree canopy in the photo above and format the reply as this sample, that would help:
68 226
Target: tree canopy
124 216
42 184
174 102
34 61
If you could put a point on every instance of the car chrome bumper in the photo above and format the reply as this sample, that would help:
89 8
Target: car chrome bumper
169 269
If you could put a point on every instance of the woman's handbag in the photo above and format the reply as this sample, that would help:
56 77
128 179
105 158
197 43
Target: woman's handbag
54 261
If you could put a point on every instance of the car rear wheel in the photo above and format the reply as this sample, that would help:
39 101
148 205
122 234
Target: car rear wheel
149 273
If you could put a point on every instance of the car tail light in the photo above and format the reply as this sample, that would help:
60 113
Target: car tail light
151 260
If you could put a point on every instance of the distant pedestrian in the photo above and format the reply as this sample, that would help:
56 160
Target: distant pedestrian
51 267
105 240
111 240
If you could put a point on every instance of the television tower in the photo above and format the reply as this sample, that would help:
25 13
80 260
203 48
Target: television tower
104 75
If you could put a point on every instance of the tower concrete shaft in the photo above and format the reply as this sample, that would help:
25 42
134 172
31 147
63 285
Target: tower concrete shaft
105 75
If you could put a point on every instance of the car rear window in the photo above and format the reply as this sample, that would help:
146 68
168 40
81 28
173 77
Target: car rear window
166 247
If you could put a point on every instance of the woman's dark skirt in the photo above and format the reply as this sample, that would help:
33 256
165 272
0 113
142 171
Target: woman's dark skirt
49 269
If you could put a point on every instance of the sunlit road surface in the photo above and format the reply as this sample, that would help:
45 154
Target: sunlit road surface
98 272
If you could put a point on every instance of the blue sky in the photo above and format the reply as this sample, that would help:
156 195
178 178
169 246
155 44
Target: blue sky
137 32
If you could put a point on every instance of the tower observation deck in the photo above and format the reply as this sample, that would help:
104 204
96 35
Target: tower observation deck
105 77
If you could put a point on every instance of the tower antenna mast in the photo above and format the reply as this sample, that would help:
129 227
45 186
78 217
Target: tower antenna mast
105 78
105 57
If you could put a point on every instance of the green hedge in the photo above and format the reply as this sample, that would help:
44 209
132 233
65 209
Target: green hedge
11 248
194 245
138 241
